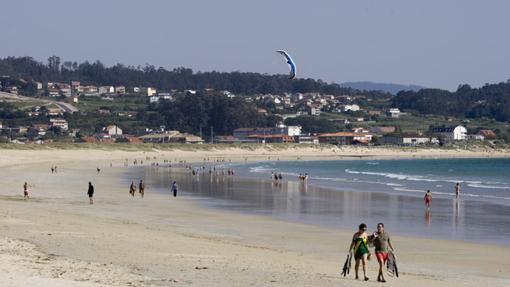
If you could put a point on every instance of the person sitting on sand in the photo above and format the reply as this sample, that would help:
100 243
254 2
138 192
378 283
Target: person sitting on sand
382 241
90 193
141 188
457 189
359 246
26 196
428 198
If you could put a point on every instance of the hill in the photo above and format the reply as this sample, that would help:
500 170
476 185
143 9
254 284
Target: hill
384 87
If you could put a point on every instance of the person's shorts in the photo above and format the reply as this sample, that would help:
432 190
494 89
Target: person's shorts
381 256
25 193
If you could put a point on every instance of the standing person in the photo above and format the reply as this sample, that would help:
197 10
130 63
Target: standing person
428 198
90 193
382 241
359 246
457 189
52 169
141 188
132 188
25 191
174 188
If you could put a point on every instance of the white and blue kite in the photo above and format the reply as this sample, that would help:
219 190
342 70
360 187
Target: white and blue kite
291 63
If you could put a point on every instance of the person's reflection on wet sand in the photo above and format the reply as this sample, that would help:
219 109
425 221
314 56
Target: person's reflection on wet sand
428 217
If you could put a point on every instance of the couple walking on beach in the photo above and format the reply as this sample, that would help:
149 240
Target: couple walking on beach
360 248
141 188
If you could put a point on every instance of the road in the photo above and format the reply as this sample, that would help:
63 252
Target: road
66 107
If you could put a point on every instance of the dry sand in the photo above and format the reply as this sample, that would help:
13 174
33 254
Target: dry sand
58 239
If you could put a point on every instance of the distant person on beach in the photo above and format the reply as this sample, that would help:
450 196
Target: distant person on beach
381 241
55 169
141 188
98 170
174 188
359 246
457 189
132 188
26 196
428 198
90 193
52 169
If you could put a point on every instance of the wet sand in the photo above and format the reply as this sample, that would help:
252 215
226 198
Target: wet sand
58 239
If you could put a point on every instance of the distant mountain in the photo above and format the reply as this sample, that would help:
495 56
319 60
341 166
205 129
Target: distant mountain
385 87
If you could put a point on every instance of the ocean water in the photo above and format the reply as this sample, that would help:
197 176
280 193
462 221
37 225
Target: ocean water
344 193
480 179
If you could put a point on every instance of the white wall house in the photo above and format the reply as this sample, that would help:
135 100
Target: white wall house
113 130
451 133
352 108
394 113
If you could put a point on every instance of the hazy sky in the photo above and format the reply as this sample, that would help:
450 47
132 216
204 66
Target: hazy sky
435 43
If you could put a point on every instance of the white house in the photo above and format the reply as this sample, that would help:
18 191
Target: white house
153 99
394 113
451 133
59 123
120 90
149 91
113 130
106 90
352 108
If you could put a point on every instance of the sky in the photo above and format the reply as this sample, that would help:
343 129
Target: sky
434 43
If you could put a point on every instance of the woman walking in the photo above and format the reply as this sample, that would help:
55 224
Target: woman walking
359 247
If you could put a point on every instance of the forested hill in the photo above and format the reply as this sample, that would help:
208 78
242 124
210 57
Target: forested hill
97 73
491 100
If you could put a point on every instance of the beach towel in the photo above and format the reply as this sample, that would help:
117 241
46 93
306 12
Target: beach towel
347 265
391 264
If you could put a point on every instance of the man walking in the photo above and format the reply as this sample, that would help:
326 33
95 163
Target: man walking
174 188
141 188
90 192
382 241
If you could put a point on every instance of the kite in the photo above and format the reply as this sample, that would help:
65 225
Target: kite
290 62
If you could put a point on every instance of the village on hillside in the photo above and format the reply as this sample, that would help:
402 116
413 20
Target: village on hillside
361 123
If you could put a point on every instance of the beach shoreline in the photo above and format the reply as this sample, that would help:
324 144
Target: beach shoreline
159 241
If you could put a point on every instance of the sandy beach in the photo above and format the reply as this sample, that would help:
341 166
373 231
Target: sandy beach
58 239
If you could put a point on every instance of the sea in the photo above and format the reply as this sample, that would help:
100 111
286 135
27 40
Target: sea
344 193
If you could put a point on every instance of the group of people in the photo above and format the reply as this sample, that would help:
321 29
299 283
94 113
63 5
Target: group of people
276 176
141 188
303 177
360 244
428 195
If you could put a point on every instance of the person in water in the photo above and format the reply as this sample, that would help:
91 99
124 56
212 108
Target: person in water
428 198
359 247
457 189
381 241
